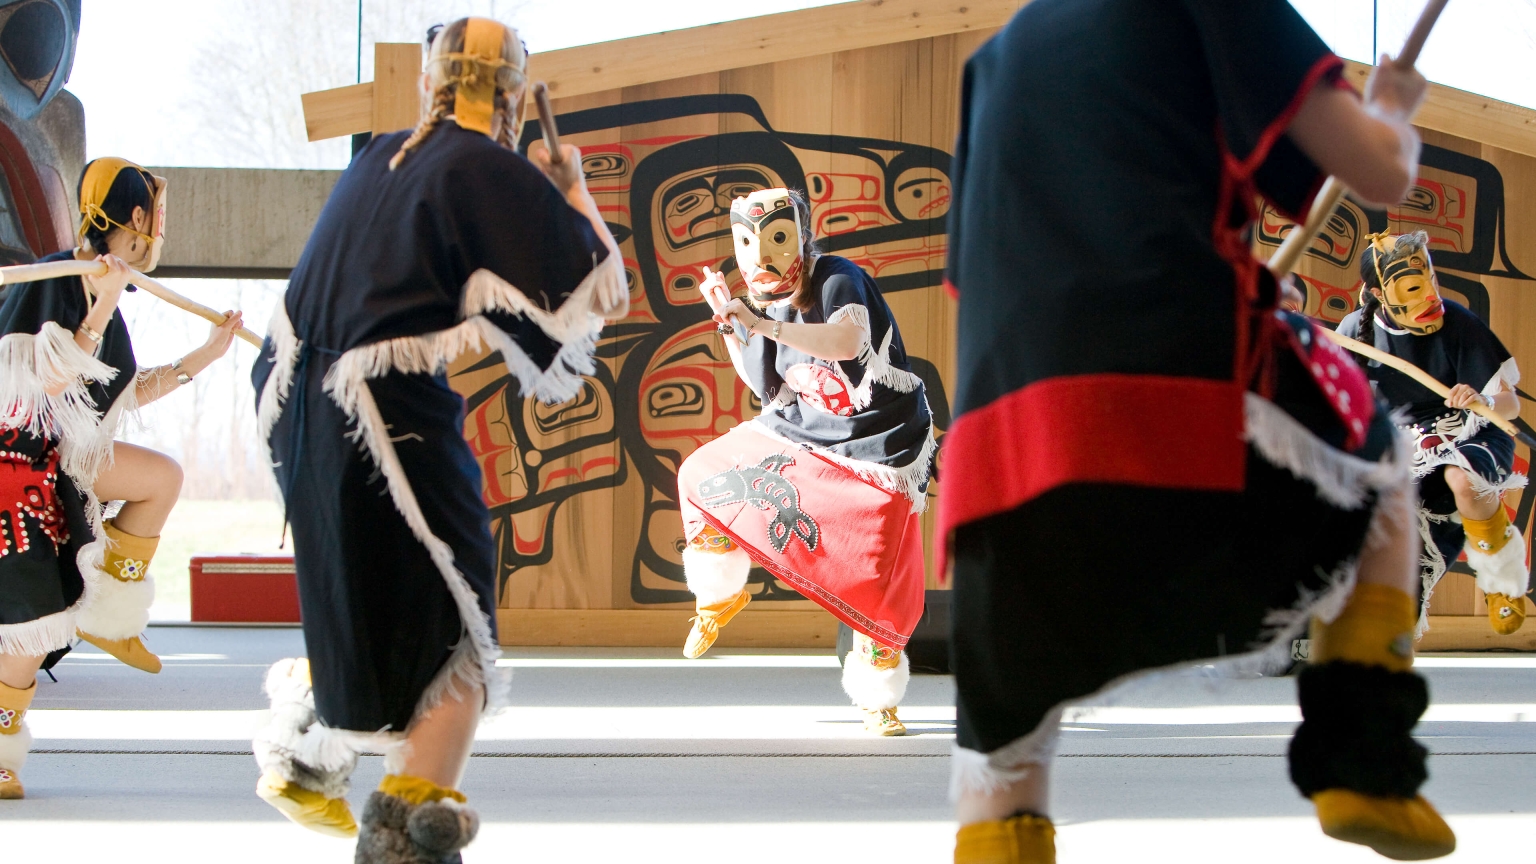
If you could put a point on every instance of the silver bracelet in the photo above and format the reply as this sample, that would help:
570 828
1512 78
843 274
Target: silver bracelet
90 333
182 378
777 326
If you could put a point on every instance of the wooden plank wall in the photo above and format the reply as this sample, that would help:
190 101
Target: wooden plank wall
583 494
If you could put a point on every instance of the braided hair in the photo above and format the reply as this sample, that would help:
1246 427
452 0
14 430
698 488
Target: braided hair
444 79
442 106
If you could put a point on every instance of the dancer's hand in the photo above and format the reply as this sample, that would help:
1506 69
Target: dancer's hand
109 286
1395 91
1463 396
733 307
714 290
220 337
567 176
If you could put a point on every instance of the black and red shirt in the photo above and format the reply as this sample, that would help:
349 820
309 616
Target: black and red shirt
1099 245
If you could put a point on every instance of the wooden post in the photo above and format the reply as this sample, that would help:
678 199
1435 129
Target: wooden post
388 103
396 97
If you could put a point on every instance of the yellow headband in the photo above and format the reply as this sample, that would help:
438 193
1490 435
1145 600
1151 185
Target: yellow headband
98 180
475 101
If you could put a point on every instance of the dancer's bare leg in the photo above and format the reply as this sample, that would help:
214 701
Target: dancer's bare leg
19 671
1031 794
425 774
149 484
1468 503
438 745
1391 553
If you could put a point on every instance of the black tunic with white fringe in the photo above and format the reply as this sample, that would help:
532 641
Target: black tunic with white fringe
1465 350
464 244
44 518
870 412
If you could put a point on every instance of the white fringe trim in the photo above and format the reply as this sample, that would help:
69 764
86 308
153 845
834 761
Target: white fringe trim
285 357
431 355
910 480
1432 567
575 325
28 363
988 773
877 364
1342 480
605 289
107 608
474 659
39 636
1482 487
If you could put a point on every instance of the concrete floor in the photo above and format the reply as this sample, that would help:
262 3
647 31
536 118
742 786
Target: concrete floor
637 756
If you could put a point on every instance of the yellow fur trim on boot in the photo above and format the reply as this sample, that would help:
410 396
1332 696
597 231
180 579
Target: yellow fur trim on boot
1489 535
416 790
14 739
329 816
1375 629
127 560
1403 829
709 620
1019 840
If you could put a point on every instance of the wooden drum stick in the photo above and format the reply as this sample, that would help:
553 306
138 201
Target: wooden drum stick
1426 379
547 122
57 269
1295 244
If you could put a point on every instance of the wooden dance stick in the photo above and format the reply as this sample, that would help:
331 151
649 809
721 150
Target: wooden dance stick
56 269
1295 244
1427 380
547 122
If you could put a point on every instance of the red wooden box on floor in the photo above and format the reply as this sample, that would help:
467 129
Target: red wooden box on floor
251 589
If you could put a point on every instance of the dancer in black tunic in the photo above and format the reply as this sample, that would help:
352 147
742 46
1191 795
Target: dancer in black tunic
1463 464
68 377
434 242
1135 419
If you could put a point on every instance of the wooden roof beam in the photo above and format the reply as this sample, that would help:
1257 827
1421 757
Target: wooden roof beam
764 39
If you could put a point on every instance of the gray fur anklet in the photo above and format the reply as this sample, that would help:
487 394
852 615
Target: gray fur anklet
395 831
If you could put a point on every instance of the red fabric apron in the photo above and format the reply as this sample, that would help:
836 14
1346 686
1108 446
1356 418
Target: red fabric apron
851 546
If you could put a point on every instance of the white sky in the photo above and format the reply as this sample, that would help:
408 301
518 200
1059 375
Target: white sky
133 106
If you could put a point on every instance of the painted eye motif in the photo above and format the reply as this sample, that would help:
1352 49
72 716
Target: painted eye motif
779 237
744 241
